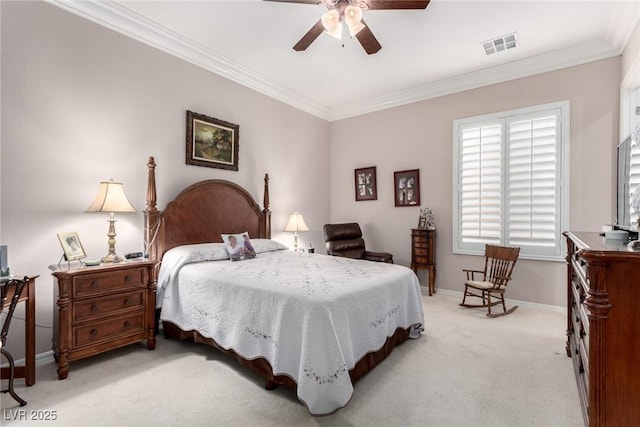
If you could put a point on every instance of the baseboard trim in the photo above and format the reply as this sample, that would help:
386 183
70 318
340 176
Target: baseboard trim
458 294
41 358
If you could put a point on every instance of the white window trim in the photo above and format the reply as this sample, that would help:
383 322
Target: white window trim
564 198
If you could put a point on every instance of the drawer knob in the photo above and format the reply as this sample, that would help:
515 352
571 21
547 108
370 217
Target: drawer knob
126 301
93 332
127 278
94 308
94 284
127 324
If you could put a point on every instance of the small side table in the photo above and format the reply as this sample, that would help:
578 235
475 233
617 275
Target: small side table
423 254
28 371
101 308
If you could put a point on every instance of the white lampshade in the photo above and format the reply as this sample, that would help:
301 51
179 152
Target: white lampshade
331 23
353 19
111 198
296 223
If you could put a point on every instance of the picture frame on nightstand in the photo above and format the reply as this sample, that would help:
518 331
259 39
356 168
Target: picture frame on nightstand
422 223
71 246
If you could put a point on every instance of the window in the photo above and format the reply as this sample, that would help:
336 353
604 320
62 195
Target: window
511 181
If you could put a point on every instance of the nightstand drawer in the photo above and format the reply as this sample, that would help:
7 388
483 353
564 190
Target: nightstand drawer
421 260
95 284
103 306
104 330
419 239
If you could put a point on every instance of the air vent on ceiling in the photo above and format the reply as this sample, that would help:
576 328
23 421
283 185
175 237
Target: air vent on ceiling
508 41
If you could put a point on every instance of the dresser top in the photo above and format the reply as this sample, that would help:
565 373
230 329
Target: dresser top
63 269
592 244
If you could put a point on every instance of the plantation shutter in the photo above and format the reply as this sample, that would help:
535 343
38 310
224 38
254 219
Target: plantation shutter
481 183
634 177
511 181
533 193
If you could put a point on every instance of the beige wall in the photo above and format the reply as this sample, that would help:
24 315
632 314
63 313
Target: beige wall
419 136
82 104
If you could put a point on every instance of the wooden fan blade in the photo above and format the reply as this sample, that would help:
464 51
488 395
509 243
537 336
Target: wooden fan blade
368 40
297 1
397 4
308 38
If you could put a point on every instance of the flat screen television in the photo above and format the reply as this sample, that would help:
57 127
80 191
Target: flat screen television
628 183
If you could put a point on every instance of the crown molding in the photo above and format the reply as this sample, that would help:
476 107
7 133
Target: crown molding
552 61
124 21
623 20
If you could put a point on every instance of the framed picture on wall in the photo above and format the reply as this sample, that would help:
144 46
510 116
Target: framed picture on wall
365 184
406 186
212 142
71 246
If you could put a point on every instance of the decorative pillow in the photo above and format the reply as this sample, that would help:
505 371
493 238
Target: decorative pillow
268 245
239 246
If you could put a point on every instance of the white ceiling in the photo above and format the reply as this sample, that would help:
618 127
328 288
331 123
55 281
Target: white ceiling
425 53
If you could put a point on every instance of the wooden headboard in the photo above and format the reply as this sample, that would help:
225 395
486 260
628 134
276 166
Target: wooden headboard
200 213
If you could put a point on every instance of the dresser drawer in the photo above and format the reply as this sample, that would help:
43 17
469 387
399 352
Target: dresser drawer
421 260
419 240
420 251
101 331
106 305
96 284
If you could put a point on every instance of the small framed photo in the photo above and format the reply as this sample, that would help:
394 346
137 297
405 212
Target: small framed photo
422 223
212 142
71 246
365 182
406 186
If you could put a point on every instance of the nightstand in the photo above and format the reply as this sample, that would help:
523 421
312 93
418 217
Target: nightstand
423 254
101 308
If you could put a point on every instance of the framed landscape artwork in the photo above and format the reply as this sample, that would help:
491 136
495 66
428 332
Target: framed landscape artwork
406 186
365 184
211 142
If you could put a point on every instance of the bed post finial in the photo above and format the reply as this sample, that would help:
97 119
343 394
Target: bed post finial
151 186
266 212
151 214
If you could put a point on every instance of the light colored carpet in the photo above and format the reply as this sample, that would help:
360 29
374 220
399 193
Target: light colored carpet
466 370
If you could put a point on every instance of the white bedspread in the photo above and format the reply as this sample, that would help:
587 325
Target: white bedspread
311 316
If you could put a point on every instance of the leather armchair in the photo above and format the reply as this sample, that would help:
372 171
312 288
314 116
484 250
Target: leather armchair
345 240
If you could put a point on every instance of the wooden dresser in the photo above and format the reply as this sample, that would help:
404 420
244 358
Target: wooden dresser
102 308
603 328
423 254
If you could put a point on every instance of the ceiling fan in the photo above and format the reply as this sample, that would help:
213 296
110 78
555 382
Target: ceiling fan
350 12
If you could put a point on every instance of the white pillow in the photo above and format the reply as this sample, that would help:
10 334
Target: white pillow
197 253
267 245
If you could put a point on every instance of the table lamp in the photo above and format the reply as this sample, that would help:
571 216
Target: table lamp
296 223
111 198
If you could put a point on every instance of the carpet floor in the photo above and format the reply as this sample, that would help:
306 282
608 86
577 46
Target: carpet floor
465 370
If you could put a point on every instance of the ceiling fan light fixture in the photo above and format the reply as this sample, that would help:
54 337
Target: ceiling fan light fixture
331 23
353 19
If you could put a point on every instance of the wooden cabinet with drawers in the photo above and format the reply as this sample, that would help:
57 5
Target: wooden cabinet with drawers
603 325
423 254
102 308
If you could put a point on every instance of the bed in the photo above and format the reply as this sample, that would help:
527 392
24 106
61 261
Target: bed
310 321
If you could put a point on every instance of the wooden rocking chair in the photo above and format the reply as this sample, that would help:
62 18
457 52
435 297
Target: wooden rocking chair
498 265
